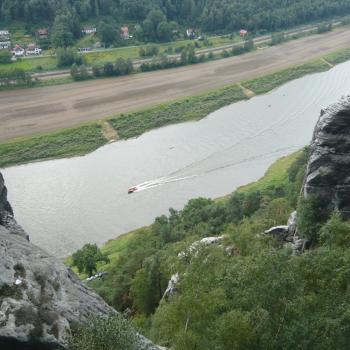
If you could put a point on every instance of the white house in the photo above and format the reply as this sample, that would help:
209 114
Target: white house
18 51
125 32
84 49
32 49
5 45
4 33
190 33
89 30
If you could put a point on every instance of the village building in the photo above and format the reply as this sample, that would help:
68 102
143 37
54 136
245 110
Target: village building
190 33
84 49
18 51
4 34
89 30
32 49
5 45
243 33
5 42
42 33
125 32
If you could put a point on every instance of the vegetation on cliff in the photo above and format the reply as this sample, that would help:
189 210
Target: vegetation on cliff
248 292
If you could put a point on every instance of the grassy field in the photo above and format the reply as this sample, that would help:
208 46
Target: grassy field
192 108
269 82
87 138
338 57
31 64
66 143
276 175
48 63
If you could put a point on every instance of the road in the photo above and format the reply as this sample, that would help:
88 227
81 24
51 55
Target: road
26 112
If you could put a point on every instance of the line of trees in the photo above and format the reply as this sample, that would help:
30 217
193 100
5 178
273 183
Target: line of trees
109 69
15 77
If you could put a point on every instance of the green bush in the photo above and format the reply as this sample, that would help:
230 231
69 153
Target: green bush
111 333
335 232
5 56
68 56
86 259
312 213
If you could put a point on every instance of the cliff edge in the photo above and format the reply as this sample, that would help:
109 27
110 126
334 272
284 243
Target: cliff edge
40 298
328 168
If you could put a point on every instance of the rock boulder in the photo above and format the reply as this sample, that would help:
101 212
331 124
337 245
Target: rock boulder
328 169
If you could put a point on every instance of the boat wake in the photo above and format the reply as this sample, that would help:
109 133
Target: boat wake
147 185
160 181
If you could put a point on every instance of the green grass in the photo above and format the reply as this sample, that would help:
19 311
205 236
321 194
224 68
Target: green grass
87 138
31 64
66 143
276 175
269 82
192 108
339 56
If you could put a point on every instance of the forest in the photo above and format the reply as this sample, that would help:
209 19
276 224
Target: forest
248 292
161 20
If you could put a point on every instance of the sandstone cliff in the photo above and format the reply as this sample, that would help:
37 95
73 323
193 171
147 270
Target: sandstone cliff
328 169
40 298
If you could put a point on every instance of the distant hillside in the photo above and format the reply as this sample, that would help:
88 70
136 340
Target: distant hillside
162 20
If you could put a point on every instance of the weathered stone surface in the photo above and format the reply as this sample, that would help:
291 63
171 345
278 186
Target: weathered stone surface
328 169
6 213
288 235
40 298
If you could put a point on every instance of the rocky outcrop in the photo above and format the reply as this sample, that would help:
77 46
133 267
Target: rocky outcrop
328 169
40 298
6 213
288 235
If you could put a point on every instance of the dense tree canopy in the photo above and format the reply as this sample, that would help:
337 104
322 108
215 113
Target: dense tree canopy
208 15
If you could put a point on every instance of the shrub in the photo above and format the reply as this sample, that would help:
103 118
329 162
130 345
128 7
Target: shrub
335 232
5 56
312 213
86 258
112 333
66 57
79 73
149 50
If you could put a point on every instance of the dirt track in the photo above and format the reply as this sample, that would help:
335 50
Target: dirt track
30 111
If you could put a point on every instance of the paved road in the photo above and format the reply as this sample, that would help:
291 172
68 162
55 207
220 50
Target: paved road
29 111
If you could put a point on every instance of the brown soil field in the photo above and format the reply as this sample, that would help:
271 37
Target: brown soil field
26 112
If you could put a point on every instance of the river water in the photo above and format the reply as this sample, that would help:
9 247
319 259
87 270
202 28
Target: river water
66 203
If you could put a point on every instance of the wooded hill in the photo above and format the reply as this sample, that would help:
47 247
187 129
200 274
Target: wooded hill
160 20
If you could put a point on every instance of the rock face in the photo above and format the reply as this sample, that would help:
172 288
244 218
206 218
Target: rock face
328 170
40 298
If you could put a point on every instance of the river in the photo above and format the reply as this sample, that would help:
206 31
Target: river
65 203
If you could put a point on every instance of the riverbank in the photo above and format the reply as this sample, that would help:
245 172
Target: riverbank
88 137
275 176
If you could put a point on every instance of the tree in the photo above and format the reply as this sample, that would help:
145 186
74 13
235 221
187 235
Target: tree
112 333
79 73
86 259
107 33
335 232
163 31
62 35
5 56
312 213
68 56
